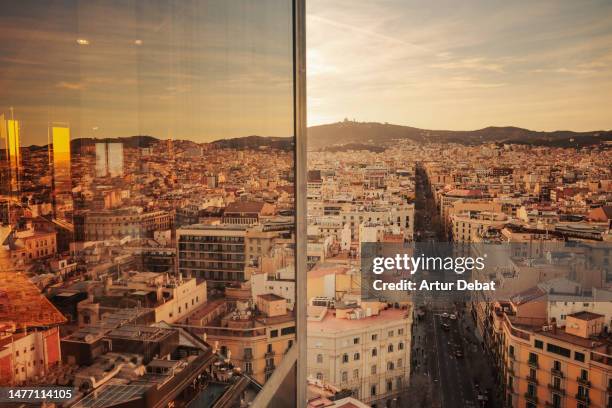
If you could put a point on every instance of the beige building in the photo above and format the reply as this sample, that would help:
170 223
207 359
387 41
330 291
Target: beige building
361 348
170 298
254 339
133 221
471 226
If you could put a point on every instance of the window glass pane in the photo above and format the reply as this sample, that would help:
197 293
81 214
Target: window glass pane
147 189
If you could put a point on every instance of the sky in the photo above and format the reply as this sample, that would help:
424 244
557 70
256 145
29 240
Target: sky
461 65
200 70
209 69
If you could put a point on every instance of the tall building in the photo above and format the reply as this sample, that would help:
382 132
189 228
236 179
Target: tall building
109 159
10 155
10 166
59 157
212 252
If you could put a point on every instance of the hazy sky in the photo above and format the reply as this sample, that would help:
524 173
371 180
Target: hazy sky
543 65
205 70
188 69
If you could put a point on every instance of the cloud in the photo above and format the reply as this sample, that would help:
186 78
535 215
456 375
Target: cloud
442 66
71 86
478 64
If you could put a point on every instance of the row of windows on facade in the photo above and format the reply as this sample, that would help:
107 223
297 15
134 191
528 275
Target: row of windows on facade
213 275
40 243
30 363
213 266
25 351
210 238
227 247
551 348
180 309
357 356
214 256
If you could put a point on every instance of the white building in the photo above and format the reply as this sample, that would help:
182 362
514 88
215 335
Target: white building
361 348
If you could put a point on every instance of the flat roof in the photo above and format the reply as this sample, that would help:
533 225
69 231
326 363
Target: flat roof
332 324
585 315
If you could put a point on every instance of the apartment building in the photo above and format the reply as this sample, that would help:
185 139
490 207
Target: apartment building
130 221
549 366
254 338
30 244
220 252
401 216
212 252
362 346
471 226
29 332
247 212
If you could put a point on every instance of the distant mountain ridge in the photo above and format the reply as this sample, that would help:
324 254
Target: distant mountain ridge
374 136
255 142
368 133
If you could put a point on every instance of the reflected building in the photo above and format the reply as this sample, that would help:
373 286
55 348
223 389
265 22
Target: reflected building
109 159
10 155
10 166
59 158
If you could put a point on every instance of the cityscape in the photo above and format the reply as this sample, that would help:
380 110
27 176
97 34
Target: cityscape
152 196
129 266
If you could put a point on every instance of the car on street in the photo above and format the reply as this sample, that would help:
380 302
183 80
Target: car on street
445 315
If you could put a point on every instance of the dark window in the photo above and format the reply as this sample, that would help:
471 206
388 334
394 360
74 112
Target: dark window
579 356
287 330
539 344
274 333
533 358
562 351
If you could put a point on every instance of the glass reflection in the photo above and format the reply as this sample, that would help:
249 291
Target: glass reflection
135 197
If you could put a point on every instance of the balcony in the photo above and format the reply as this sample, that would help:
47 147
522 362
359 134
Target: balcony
531 397
556 389
533 364
583 398
269 368
247 357
270 354
532 379
556 373
583 381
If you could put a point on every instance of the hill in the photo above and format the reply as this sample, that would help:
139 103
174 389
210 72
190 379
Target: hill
373 133
255 142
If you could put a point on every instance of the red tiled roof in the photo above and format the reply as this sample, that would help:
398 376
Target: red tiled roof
22 303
